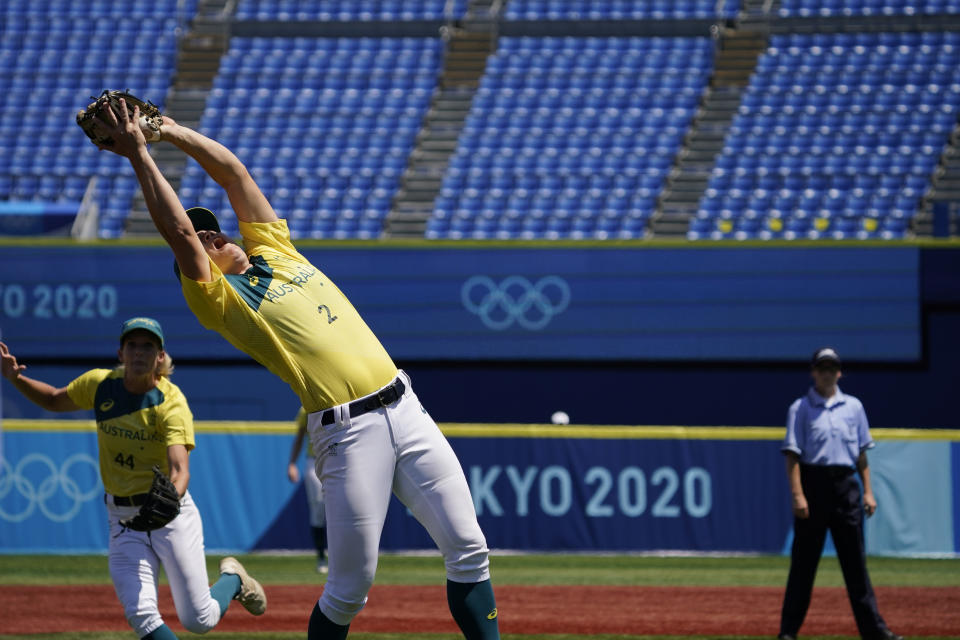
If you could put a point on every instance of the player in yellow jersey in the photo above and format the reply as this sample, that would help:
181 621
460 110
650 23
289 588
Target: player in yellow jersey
143 421
367 427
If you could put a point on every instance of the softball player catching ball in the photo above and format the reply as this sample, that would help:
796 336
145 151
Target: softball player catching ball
143 421
366 425
314 489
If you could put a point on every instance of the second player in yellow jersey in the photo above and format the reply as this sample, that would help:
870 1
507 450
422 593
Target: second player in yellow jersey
143 421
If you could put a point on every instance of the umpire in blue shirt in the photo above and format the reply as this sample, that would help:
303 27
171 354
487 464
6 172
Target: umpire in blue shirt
825 447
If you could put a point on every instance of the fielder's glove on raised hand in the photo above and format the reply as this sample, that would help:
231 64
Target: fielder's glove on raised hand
95 126
162 505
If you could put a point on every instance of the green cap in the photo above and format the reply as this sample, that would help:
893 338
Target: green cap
147 324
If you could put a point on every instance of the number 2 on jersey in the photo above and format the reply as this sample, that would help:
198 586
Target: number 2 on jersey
324 308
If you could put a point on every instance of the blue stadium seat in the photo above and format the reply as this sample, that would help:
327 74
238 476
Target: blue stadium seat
860 96
362 110
335 10
560 119
63 50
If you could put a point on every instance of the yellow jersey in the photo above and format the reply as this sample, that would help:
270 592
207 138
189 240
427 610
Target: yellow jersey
133 430
292 319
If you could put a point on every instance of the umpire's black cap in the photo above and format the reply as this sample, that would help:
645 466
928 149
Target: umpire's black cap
825 355
203 220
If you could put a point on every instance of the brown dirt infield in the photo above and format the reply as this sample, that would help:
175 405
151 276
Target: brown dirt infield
585 610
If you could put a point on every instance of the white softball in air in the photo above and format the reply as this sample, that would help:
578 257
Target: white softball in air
560 417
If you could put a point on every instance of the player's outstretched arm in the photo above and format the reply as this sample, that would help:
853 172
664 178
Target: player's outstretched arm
179 460
162 202
37 392
225 168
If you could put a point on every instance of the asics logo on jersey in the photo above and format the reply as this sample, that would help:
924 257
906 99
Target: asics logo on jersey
492 615
31 488
106 405
515 299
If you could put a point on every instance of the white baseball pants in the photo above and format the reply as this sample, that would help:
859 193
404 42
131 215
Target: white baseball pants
360 461
135 558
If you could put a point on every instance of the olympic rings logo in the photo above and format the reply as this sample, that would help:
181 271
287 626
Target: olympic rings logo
515 299
44 494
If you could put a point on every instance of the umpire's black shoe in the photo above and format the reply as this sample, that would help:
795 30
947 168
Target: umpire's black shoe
889 635
786 636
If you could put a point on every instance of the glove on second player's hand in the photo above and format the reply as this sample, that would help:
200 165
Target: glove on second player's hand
94 124
162 505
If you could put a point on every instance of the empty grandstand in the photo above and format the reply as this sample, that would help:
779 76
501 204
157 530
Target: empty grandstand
492 120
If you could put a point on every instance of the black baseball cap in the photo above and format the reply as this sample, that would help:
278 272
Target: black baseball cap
203 220
825 355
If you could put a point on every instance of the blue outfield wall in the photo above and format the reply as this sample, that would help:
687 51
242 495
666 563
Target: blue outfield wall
490 302
535 487
510 333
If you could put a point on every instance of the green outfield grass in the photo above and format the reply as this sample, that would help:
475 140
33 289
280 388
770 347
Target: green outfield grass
764 571
545 569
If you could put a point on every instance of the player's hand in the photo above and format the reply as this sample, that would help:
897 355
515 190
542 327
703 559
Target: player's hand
168 122
869 504
293 472
9 367
800 507
125 130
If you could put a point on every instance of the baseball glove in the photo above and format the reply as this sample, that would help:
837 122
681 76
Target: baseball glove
94 125
162 505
